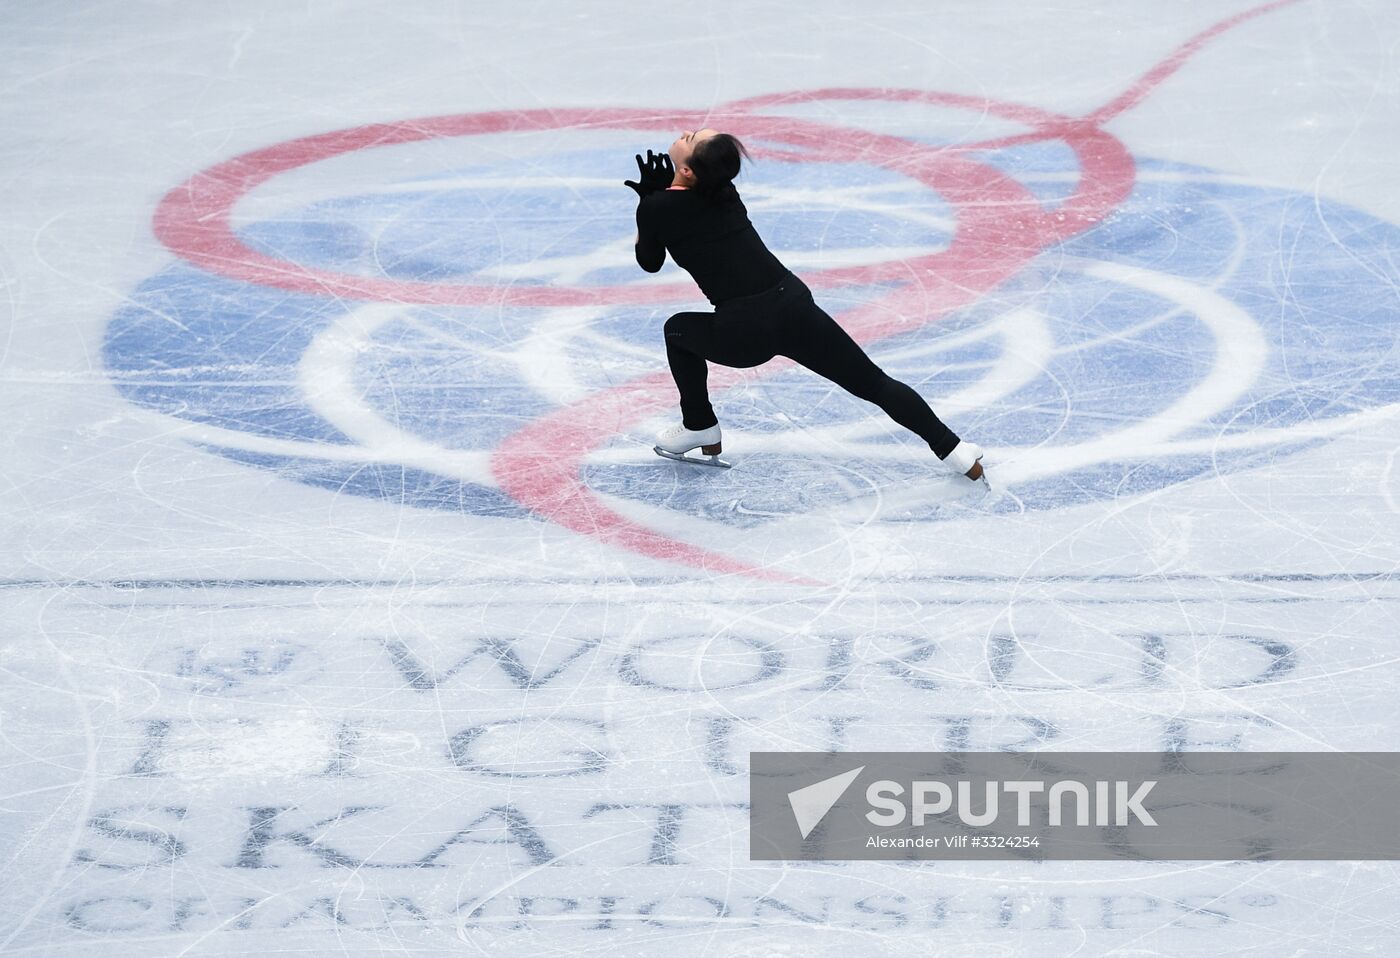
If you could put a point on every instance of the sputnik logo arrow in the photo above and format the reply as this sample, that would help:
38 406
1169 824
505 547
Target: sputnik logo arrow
810 804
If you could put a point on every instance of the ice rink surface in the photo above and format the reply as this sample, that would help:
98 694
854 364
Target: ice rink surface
346 610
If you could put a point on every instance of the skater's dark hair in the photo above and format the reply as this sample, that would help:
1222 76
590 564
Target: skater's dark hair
715 162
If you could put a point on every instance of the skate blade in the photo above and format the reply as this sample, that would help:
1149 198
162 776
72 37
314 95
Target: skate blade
680 457
984 493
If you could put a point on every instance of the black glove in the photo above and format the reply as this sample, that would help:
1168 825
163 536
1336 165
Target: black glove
655 173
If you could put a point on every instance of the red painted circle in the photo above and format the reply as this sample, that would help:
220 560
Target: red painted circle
195 219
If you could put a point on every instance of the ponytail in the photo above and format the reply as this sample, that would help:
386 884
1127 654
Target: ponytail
715 162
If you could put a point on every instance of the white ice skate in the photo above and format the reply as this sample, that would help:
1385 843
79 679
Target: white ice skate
675 442
966 460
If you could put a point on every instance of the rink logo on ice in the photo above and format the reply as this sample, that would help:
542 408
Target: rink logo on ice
1203 326
237 666
1062 806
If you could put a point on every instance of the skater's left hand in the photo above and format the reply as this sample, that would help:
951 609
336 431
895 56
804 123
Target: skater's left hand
655 173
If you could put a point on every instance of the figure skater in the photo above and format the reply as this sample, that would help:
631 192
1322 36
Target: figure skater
689 207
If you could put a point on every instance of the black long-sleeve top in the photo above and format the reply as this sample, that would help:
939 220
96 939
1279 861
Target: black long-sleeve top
715 243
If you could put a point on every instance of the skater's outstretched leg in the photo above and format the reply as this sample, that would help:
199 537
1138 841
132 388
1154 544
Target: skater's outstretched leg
815 340
906 407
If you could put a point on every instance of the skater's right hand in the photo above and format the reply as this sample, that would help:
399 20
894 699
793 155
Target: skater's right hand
655 173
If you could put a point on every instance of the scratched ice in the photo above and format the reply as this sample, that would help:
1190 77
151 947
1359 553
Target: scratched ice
347 611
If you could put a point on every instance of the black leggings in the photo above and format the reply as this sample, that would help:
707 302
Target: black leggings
786 321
